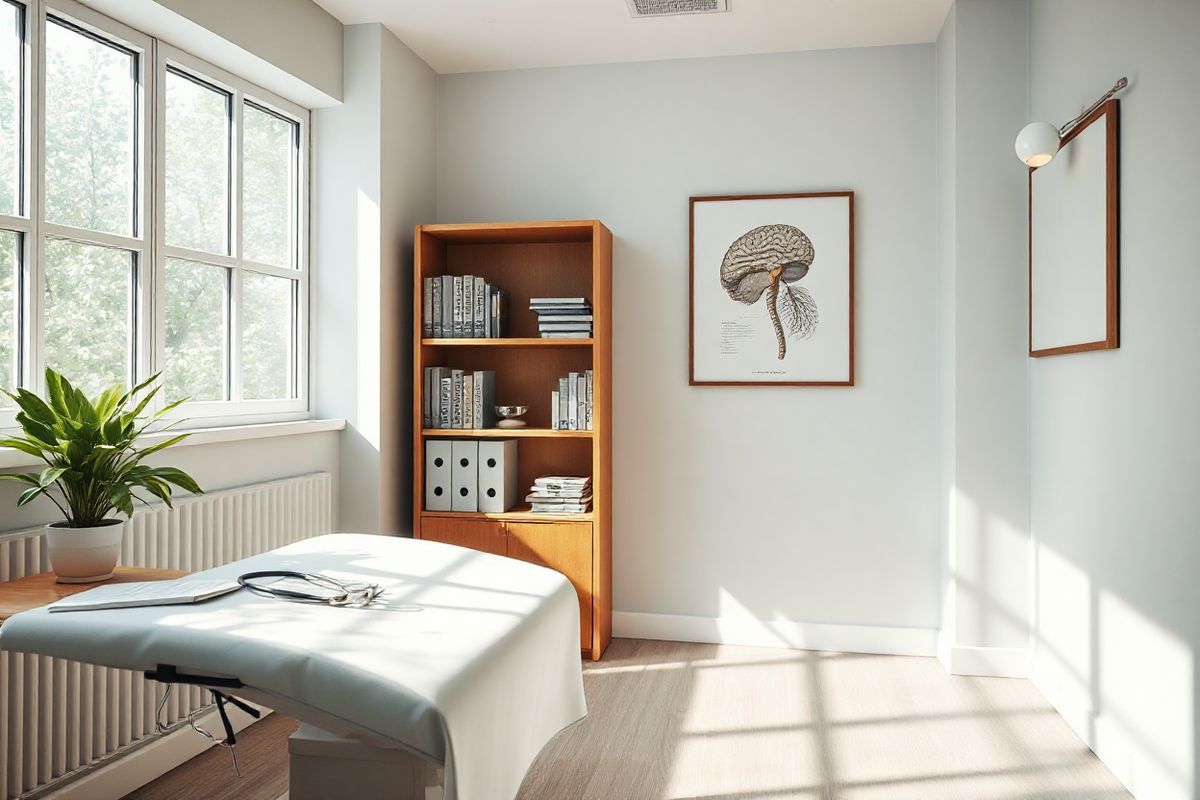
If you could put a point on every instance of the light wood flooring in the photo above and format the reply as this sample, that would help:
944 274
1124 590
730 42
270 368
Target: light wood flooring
670 721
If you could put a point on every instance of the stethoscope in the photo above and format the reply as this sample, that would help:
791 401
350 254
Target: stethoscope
335 592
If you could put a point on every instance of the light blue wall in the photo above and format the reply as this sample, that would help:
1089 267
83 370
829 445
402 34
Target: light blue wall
1115 438
804 504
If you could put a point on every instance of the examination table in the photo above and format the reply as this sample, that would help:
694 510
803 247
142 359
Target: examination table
468 660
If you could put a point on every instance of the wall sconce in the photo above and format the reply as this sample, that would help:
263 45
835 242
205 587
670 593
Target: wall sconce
1038 142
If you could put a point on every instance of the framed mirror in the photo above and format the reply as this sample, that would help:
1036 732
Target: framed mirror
1073 241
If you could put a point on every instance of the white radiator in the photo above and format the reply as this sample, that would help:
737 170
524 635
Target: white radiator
58 717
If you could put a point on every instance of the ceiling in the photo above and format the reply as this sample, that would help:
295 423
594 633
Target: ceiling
479 35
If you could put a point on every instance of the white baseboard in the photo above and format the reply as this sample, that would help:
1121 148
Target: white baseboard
776 633
988 662
131 770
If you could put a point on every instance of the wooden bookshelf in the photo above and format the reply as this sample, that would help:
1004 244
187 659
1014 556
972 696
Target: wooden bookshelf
529 259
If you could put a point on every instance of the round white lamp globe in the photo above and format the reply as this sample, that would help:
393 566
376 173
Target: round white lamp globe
1037 143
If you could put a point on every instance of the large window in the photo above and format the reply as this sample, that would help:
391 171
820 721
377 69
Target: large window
152 218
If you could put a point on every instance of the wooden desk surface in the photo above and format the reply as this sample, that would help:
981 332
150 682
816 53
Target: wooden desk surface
42 589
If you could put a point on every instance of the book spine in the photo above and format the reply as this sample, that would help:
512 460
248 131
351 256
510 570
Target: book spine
554 411
427 307
447 306
487 310
469 400
456 398
494 302
573 401
502 312
468 304
489 398
564 398
477 400
456 304
581 400
477 298
447 395
426 400
435 293
589 399
435 386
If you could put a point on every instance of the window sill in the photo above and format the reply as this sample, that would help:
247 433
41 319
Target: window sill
233 433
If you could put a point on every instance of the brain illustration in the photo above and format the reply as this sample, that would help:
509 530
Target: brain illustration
770 261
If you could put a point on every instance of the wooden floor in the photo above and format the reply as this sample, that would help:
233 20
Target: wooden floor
674 721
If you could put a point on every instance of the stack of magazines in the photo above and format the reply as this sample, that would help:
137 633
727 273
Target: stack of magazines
462 307
556 494
563 317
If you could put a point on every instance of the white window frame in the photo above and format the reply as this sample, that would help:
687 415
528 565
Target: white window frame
148 240
241 92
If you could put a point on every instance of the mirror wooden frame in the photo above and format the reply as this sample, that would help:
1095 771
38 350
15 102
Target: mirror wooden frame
1108 115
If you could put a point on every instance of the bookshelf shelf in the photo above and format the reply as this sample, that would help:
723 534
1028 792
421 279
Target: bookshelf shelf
519 514
528 259
504 433
513 341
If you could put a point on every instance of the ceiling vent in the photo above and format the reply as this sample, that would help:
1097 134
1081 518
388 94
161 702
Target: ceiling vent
668 8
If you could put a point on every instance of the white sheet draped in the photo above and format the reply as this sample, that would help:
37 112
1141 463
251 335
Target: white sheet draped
479 678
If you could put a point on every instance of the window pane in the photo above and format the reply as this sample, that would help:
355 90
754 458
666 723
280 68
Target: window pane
91 113
10 107
268 187
196 314
87 313
197 159
266 336
9 260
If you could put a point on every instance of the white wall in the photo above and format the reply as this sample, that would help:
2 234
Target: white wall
1115 443
811 505
983 420
292 47
374 173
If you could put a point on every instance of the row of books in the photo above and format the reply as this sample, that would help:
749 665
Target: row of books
455 398
571 403
463 307
555 494
563 317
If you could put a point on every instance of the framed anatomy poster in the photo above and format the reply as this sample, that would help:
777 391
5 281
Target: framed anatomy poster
772 290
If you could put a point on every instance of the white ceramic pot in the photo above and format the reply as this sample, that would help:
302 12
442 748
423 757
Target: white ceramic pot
84 555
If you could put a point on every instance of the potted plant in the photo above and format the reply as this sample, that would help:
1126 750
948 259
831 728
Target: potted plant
93 468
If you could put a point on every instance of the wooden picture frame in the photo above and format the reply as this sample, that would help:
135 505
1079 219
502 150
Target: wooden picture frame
803 339
1074 278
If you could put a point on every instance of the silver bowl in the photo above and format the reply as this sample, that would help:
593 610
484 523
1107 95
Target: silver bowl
508 416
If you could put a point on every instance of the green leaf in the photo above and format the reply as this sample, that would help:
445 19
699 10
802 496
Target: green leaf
178 477
41 433
163 445
108 401
50 475
35 408
24 445
21 477
142 404
54 389
29 495
121 499
169 407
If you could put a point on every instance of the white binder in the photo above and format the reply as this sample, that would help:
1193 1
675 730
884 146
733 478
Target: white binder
497 475
437 475
464 475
